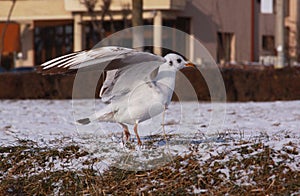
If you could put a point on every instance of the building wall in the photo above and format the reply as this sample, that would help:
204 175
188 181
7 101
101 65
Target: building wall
235 16
25 13
208 17
212 16
266 26
34 10
292 34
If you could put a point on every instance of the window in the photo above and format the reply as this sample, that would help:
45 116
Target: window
225 47
92 37
268 43
52 40
93 33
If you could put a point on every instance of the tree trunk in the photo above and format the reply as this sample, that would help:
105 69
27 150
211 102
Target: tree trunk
137 20
137 12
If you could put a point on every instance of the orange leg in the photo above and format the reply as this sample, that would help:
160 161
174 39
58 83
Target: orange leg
136 133
126 132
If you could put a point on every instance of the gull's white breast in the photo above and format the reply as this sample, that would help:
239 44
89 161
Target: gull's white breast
144 102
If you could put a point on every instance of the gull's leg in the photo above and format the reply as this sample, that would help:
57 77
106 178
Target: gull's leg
163 127
126 132
136 133
163 121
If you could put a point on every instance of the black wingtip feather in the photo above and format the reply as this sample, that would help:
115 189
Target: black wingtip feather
84 121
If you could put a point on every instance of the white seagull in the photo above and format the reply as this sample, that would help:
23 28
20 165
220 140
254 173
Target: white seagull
138 85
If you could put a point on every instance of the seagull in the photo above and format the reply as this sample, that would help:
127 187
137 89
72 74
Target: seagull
138 85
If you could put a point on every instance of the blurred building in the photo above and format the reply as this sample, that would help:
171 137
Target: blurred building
232 30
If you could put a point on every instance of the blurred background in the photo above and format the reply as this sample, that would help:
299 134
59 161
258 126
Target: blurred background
238 34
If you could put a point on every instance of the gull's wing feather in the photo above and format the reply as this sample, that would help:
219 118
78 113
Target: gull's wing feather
103 58
126 79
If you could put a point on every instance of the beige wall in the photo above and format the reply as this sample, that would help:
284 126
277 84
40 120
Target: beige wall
117 5
34 10
291 22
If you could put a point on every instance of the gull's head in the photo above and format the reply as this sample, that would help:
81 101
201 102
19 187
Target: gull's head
175 61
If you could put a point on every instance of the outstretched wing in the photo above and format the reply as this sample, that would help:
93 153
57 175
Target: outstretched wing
121 82
103 58
125 67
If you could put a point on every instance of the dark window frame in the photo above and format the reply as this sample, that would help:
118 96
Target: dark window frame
52 39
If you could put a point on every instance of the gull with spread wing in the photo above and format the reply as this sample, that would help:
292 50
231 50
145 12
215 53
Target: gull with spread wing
138 85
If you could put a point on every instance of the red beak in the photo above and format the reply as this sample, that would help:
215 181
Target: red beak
189 64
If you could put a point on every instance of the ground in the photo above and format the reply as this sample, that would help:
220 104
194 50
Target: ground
205 148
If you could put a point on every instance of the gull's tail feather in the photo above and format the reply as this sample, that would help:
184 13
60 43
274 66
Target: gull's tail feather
98 116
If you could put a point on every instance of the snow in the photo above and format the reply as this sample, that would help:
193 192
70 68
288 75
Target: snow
198 191
52 123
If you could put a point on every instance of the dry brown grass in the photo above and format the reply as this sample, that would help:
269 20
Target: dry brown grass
27 169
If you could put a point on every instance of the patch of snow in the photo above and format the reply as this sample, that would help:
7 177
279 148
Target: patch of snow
198 191
225 171
51 123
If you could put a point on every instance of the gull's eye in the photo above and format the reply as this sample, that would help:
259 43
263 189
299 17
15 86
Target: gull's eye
170 63
179 60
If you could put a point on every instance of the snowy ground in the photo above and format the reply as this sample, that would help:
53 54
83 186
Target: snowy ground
51 123
235 146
